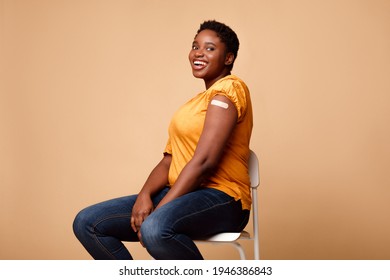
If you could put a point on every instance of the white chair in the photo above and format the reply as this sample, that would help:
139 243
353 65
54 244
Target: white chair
232 238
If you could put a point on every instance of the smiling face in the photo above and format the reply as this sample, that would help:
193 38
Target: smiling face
208 57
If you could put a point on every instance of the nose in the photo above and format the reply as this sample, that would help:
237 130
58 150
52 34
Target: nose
198 53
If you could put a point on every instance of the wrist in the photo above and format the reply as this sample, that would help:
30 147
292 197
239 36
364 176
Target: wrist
144 194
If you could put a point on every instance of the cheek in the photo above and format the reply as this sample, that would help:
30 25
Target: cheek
218 58
219 61
191 55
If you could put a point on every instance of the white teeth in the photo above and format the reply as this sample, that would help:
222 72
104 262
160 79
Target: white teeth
199 63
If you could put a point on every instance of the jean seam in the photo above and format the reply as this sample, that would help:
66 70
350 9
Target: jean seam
96 237
177 240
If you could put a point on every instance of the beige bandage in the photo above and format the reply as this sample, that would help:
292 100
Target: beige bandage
219 104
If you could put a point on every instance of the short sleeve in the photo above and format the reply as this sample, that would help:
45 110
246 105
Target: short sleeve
236 91
168 147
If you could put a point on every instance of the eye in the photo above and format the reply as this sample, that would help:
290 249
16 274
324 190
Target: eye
210 48
194 47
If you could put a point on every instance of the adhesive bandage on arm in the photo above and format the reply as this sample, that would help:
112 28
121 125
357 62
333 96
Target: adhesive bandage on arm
219 104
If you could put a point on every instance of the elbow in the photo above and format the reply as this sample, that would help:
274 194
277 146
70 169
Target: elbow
205 163
209 166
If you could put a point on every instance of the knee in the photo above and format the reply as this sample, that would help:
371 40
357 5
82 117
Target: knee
81 223
152 232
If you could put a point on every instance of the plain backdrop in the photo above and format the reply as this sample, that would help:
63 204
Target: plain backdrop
88 88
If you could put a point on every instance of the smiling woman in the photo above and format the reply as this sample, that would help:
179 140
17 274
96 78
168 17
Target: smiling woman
211 57
201 185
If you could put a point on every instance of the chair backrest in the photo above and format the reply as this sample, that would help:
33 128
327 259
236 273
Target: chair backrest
253 169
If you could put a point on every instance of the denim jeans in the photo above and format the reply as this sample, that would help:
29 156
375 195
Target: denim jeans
167 233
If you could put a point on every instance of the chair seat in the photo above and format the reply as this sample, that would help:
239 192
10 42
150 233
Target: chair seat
226 237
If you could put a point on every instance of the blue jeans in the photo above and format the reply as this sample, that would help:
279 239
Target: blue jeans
167 233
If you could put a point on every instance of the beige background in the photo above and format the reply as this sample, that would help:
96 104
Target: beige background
88 88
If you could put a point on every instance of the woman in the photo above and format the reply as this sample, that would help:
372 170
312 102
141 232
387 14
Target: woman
201 185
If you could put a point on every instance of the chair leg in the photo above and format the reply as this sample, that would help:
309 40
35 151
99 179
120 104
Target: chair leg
256 250
239 249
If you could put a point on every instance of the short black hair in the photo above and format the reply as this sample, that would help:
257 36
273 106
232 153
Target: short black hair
225 33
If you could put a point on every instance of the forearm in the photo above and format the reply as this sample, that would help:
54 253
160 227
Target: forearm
158 178
143 206
191 177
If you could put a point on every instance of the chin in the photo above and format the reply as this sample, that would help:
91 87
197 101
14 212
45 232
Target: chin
197 75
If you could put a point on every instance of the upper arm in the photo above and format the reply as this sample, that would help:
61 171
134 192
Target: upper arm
219 124
166 160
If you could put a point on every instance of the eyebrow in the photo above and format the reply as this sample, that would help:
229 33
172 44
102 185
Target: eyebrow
206 43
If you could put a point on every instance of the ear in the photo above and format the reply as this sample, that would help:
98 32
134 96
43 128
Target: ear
229 58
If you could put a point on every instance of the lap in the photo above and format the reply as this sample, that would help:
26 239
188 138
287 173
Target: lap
112 217
200 213
196 214
117 206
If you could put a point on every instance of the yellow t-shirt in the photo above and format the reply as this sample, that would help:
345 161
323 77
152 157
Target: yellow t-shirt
185 130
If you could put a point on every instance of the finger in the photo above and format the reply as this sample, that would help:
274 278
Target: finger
132 222
139 219
140 238
138 222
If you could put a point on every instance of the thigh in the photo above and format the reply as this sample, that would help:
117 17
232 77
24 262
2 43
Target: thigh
112 217
202 213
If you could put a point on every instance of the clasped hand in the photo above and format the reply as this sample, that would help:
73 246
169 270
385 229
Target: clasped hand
142 208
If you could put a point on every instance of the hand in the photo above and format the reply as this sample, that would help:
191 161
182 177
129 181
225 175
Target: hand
142 208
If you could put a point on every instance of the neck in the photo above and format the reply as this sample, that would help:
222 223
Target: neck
209 83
